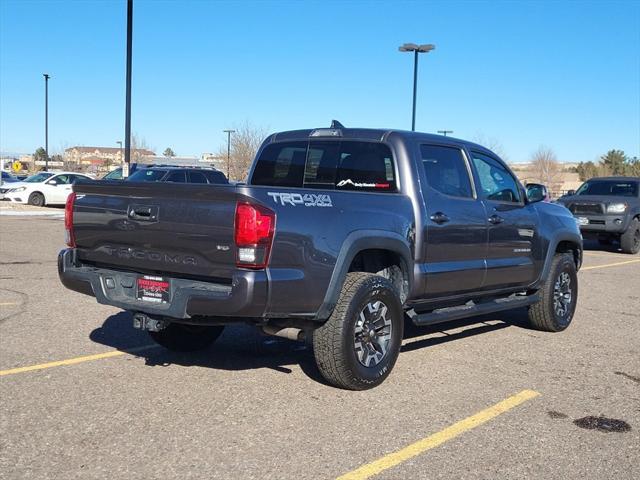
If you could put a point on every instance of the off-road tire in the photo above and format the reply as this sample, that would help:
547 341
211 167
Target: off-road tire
36 199
542 315
630 240
333 342
179 337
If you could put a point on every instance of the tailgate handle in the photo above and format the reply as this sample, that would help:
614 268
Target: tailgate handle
143 213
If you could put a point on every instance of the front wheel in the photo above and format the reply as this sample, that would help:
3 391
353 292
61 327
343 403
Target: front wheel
180 337
558 296
357 347
36 199
630 240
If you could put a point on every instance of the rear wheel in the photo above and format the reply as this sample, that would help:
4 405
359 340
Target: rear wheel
359 344
558 296
180 337
36 199
630 240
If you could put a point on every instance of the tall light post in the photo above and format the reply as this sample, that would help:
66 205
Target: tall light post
416 49
444 132
46 120
127 115
229 132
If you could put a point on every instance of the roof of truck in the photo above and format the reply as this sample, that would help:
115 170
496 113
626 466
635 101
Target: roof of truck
379 134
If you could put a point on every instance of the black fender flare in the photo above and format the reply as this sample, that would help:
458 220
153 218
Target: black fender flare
356 242
551 251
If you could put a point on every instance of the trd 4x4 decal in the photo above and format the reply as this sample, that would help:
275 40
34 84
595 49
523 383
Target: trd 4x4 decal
307 199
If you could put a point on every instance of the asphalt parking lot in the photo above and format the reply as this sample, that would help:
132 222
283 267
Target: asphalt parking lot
84 395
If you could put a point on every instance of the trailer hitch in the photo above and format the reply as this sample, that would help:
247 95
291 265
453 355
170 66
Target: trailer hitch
142 321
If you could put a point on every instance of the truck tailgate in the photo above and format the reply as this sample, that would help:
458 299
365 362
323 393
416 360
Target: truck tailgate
184 230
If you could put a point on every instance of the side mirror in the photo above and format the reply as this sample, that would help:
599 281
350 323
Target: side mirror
52 182
571 192
536 192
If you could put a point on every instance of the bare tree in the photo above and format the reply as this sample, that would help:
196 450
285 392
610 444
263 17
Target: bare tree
546 168
492 144
244 144
138 144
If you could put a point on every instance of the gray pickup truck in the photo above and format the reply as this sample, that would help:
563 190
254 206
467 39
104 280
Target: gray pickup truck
339 235
608 209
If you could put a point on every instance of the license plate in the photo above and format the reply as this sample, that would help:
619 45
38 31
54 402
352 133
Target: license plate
153 289
583 221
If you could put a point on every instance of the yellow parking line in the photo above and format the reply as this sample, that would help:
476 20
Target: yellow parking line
6 304
610 265
73 361
432 441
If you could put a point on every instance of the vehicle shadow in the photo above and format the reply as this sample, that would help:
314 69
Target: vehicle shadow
243 347
595 246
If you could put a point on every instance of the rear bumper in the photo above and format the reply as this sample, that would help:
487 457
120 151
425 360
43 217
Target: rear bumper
245 297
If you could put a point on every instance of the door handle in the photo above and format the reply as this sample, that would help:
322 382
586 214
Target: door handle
495 219
439 218
143 213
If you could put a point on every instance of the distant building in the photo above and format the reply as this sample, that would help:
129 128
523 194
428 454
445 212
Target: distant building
79 155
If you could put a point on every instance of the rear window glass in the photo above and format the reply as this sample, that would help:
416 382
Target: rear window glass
340 165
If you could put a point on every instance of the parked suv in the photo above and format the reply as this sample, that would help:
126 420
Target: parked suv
608 209
168 173
338 235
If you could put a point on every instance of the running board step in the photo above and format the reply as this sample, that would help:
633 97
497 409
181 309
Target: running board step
472 309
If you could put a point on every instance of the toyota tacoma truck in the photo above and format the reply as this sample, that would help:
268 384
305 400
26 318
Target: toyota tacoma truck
608 209
337 237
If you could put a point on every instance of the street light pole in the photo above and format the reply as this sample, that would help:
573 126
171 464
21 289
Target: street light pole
229 132
416 49
415 89
444 132
46 120
127 119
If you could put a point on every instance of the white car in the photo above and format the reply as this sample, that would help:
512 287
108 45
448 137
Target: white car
43 188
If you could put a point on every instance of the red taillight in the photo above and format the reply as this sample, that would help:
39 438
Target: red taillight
70 237
254 230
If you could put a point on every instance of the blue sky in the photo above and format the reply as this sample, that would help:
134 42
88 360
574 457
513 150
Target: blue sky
561 74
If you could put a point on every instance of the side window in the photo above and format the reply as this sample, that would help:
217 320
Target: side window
178 176
215 177
446 170
114 175
196 177
281 165
62 179
495 180
365 167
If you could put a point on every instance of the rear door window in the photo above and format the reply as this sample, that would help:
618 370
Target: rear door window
341 165
197 177
177 176
446 170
